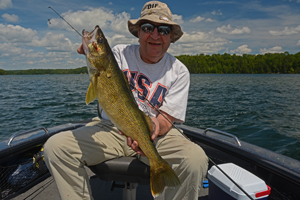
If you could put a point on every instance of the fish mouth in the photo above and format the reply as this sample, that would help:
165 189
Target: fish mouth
89 37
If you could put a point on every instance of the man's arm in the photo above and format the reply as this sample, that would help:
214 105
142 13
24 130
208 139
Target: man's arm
164 124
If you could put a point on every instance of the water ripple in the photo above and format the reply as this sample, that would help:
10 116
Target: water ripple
260 109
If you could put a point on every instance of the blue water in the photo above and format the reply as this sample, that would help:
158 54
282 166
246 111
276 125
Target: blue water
260 109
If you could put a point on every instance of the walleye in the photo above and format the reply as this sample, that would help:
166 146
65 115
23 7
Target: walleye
110 86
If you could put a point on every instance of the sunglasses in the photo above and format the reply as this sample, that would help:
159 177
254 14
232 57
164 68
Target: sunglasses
162 30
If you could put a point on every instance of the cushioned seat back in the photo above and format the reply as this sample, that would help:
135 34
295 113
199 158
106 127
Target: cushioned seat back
124 169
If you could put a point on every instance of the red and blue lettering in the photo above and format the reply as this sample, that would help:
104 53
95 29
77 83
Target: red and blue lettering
131 78
144 87
158 95
143 84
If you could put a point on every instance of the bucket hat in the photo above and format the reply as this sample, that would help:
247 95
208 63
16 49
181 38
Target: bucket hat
155 11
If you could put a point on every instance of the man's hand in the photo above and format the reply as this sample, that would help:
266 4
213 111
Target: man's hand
162 126
80 50
133 144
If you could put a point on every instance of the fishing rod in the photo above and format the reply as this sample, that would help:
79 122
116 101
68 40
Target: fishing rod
65 21
130 83
173 125
189 139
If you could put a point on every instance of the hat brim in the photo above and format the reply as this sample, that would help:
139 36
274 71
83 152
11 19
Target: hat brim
133 25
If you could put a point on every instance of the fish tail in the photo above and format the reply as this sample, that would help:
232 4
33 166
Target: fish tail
162 175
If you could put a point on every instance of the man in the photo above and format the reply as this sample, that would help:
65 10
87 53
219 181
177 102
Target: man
165 81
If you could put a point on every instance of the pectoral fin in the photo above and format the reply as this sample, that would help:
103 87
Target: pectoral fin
91 94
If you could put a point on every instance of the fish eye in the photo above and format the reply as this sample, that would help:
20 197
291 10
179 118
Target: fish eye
100 40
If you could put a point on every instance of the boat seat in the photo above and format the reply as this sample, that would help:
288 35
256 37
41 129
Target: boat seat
128 170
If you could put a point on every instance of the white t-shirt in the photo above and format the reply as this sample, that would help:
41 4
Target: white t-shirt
165 84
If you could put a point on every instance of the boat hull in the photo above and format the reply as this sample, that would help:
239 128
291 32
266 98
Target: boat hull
281 173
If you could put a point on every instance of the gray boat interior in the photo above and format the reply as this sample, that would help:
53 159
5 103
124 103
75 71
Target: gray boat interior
281 173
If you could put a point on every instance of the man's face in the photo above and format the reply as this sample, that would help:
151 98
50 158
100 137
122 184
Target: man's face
153 46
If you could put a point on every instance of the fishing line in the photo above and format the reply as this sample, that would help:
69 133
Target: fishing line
173 125
189 139
230 179
130 83
65 21
159 112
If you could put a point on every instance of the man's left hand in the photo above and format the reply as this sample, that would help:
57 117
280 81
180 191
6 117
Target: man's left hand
135 145
155 133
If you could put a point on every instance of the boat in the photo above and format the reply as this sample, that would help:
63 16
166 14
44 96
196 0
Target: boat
24 175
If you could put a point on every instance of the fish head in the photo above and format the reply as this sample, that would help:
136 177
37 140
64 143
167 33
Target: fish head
96 49
94 43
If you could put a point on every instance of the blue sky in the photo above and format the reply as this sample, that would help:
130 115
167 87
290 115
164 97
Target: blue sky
28 41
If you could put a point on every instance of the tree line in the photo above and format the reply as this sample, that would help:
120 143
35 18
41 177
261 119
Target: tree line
2 72
81 70
269 63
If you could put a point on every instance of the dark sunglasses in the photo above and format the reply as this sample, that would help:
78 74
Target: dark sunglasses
162 29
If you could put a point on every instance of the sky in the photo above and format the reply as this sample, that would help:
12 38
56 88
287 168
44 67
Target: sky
32 36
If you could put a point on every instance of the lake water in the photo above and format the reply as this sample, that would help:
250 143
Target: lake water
260 109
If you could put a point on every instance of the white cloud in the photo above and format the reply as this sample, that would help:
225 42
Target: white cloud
216 12
276 49
132 8
55 42
229 30
33 55
84 19
194 37
241 49
196 43
286 31
121 39
10 33
10 18
177 18
210 20
190 49
77 61
9 50
197 19
22 58
4 4
298 43
119 23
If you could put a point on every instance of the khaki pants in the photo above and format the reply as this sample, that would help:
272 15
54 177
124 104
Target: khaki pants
67 153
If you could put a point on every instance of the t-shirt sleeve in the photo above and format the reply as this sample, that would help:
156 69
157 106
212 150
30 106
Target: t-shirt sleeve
175 101
116 51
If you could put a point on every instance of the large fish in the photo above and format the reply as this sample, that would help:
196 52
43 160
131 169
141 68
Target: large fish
110 86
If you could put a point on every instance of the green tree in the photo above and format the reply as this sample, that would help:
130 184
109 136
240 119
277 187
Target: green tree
81 70
2 72
247 63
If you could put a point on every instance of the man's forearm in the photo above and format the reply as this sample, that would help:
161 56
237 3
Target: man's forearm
164 125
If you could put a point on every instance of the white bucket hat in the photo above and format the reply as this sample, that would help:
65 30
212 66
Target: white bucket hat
158 12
